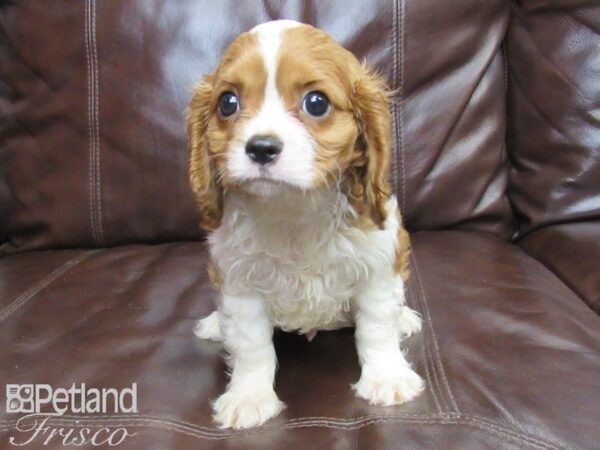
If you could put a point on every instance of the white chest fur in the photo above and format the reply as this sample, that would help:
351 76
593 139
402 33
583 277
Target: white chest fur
299 252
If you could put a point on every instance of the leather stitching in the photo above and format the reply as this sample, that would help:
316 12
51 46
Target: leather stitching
97 127
95 238
41 284
332 423
395 84
427 327
435 353
401 105
430 386
93 123
440 366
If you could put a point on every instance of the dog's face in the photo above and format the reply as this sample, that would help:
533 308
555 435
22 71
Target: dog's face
289 108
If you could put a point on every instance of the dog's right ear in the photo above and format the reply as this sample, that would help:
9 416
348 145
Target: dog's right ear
208 194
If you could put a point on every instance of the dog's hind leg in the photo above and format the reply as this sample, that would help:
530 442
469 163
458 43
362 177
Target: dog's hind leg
209 327
409 321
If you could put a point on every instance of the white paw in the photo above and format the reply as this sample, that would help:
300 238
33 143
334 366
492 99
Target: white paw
409 321
244 410
380 387
209 327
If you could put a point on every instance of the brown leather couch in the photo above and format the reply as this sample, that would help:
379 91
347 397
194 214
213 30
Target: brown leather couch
496 167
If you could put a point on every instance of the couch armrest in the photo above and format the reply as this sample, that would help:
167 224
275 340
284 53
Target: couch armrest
572 252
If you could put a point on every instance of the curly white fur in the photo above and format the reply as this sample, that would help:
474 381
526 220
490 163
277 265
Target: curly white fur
295 262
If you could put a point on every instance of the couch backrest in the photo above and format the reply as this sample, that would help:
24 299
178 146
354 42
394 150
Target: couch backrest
92 98
554 109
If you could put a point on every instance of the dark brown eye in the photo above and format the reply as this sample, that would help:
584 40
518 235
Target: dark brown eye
316 104
228 104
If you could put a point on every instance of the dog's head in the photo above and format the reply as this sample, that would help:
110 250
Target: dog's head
289 108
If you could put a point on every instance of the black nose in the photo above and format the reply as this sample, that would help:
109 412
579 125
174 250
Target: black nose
263 149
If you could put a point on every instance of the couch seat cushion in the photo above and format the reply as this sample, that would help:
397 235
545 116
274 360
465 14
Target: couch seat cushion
511 356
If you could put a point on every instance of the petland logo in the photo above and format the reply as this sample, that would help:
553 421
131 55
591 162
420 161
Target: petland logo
41 403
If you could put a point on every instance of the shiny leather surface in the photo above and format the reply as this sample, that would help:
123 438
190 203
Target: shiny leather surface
571 251
554 137
94 148
93 169
511 361
554 125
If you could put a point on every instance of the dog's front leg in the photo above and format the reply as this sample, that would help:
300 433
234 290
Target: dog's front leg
250 399
386 377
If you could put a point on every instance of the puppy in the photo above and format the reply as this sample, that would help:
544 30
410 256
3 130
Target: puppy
289 156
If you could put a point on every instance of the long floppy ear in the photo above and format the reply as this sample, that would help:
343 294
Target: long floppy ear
207 191
371 108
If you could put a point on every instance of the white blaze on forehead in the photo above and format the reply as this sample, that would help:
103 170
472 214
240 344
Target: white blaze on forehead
269 39
295 164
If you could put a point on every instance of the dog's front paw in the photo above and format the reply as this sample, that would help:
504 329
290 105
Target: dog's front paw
384 388
209 327
246 409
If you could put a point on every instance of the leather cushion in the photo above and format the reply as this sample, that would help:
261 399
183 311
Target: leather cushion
572 251
93 148
510 355
554 125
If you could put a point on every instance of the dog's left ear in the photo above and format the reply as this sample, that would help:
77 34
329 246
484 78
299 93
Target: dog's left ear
371 102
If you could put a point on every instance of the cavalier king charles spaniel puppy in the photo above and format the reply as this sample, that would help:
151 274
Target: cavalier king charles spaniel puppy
289 154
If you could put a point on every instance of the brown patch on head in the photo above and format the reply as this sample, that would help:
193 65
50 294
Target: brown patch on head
353 141
402 263
241 71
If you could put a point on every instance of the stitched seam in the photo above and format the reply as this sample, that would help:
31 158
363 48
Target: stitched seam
93 119
341 420
436 353
97 127
489 425
440 365
41 284
199 434
429 355
334 422
425 358
401 105
95 238
395 83
353 424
